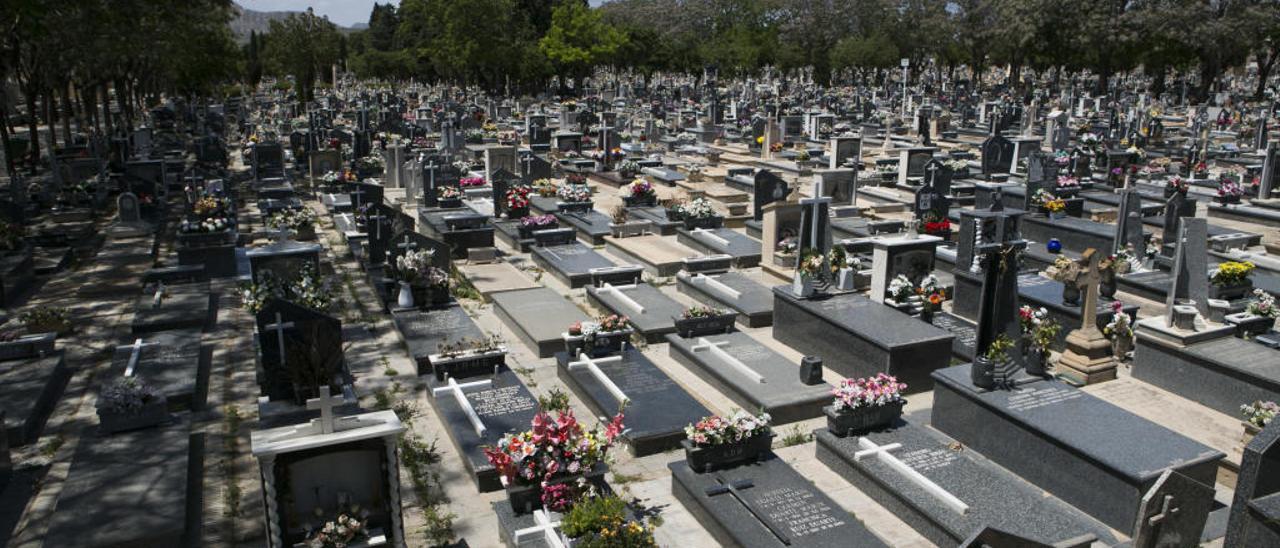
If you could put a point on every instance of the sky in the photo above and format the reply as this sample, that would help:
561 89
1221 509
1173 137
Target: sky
342 12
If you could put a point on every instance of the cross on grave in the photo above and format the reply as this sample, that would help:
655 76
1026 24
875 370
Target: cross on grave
526 166
933 174
714 349
585 361
1167 512
377 219
325 403
627 301
544 526
456 389
1087 281
711 234
279 328
734 489
159 295
408 246
355 197
816 203
135 354
431 170
881 452
720 286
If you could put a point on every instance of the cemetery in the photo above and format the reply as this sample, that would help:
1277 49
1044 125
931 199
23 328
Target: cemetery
639 273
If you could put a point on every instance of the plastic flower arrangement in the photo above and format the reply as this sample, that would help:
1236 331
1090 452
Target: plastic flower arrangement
448 193
956 164
901 288
574 193
206 206
788 246
717 430
699 208
932 224
1260 413
698 311
1061 158
518 197
414 263
1040 330
292 219
1263 305
810 263
1119 326
545 187
1231 273
538 221
838 258
629 166
552 447
880 390
1117 264
1228 188
469 182
371 163
205 226
126 396
1177 183
1063 270
1067 181
339 533
1055 205
640 189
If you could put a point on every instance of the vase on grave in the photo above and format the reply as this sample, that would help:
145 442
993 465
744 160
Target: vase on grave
1034 359
1107 287
802 286
405 299
1232 291
518 213
1070 294
1121 346
983 372
844 279
1248 325
705 325
706 457
847 422
1250 431
525 498
926 315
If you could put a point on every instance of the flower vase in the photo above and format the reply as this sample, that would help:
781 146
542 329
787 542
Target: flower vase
517 213
926 315
844 279
802 286
706 457
1250 431
405 299
1034 360
983 373
847 422
1070 294
1121 346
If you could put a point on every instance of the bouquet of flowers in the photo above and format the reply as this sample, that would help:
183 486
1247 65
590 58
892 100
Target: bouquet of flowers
716 430
469 182
1119 326
1177 184
933 224
901 288
787 246
574 193
699 208
1260 413
517 197
1231 273
810 263
1061 158
372 163
1263 305
293 219
538 221
1055 205
208 225
545 187
1063 270
1068 181
414 263
697 311
838 258
449 193
552 447
575 179
330 177
1037 327
338 533
629 166
206 206
126 396
641 189
1229 188
882 389
1117 264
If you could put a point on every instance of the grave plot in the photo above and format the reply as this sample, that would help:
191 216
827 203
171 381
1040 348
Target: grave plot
33 376
1255 505
538 316
1033 290
947 494
1091 454
576 265
753 376
175 363
116 269
477 411
17 272
592 225
139 488
723 241
660 256
731 290
424 330
657 409
657 217
860 338
461 229
766 504
1222 373
649 311
180 306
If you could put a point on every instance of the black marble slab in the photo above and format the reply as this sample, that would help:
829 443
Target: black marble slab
1221 374
754 304
654 321
744 250
570 263
29 390
778 391
424 330
539 316
505 406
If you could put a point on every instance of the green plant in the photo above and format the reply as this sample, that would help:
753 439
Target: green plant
796 437
46 319
554 400
592 514
998 350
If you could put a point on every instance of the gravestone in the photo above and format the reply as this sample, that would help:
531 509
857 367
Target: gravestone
1087 358
931 201
815 222
1254 511
127 209
997 155
769 188
478 412
499 158
1190 265
844 149
502 181
1129 224
298 348
1173 512
1267 182
999 247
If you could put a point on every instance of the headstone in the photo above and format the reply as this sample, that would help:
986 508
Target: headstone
1190 268
1173 512
997 155
127 210
769 188
1129 224
496 158
1254 514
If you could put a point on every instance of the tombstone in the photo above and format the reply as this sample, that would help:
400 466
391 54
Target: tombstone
998 247
769 188
496 158
1173 512
844 149
127 209
997 155
534 167
283 259
299 351
1129 224
1253 514
1267 182
1190 265
313 472
1087 358
502 180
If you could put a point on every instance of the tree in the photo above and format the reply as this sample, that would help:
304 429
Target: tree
305 46
578 40
383 23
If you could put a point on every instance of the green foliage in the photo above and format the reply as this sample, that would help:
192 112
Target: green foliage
305 46
579 38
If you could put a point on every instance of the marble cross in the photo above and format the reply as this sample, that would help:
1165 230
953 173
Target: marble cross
279 328
135 354
1087 281
456 389
617 291
881 452
544 526
592 365
325 403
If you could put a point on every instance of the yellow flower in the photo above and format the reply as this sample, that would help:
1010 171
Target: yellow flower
760 140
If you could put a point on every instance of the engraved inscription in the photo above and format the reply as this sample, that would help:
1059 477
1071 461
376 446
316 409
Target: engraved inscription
500 401
800 512
1041 397
924 460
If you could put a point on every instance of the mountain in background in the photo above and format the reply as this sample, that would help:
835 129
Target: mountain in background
247 20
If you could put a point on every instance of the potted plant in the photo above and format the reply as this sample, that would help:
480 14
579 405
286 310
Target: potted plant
994 358
1068 186
553 452
129 404
467 357
1120 331
46 319
603 521
1257 415
574 198
843 267
302 222
935 225
536 222
640 193
628 169
1112 265
901 290
697 321
1176 185
412 267
517 202
1066 271
621 228
1039 334
605 335
545 187
717 442
1231 280
698 214
1259 316
449 197
808 268
862 405
785 253
1229 191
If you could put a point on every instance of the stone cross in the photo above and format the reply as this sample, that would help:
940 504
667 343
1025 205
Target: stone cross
593 366
1088 281
881 452
407 245
159 295
456 389
279 328
135 354
325 403
544 526
933 174
702 279
816 204
714 348
617 291
734 489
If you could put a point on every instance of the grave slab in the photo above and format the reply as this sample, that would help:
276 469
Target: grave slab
658 217
1091 454
992 496
186 306
1221 374
423 330
660 256
29 390
175 363
723 241
538 316
503 406
860 338
658 409
649 311
570 263
592 225
495 277
780 508
731 290
764 380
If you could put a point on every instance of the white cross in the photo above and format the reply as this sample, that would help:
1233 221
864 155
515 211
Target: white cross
869 448
544 526
720 286
408 245
377 223
715 350
593 365
626 300
463 402
816 201
279 327
431 170
135 354
325 404
159 296
712 235
933 175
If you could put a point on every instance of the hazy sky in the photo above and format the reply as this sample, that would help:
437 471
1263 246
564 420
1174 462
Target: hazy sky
342 12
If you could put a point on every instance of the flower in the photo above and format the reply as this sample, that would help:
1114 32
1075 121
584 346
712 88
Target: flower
538 221
1119 326
901 288
882 389
466 182
448 193
701 312
1067 181
699 208
125 396
1263 305
413 264
1229 188
574 193
716 430
518 197
1260 413
641 189
552 447
1231 273
810 263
